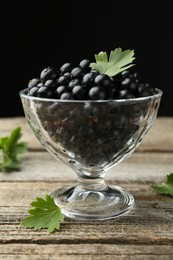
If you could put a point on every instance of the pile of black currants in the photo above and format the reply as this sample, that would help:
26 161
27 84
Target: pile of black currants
81 82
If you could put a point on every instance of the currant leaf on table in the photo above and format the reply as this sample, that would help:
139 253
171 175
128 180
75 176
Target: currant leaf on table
44 214
165 187
11 148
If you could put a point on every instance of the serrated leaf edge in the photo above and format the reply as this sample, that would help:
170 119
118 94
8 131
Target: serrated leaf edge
115 64
159 187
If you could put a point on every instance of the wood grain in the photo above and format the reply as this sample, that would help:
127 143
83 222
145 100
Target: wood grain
145 233
38 166
86 251
159 138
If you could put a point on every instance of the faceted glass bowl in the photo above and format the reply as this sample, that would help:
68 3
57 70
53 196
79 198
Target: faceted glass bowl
91 137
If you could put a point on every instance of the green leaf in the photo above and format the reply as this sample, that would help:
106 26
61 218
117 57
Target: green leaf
13 138
118 61
11 148
44 214
165 187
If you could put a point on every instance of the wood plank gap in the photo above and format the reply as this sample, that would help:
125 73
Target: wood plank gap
158 151
114 182
109 241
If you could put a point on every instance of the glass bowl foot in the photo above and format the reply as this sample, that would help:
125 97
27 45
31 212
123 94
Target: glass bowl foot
82 204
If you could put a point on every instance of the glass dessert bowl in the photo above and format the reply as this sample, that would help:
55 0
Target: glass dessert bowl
91 137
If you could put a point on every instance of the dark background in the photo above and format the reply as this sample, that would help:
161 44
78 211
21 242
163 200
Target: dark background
37 34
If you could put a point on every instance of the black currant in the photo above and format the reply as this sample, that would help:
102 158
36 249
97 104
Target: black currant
88 79
97 93
66 96
77 72
60 90
84 64
78 92
44 92
73 83
33 92
66 67
103 80
48 73
33 83
63 80
125 94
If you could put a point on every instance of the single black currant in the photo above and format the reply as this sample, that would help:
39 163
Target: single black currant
66 67
125 94
103 80
129 83
63 80
84 64
60 90
73 83
88 79
77 72
48 73
142 91
44 92
97 93
51 84
66 95
33 92
33 82
78 92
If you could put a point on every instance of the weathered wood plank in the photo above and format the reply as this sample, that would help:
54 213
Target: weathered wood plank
141 256
159 138
88 257
145 229
19 194
86 251
38 166
144 233
129 230
149 222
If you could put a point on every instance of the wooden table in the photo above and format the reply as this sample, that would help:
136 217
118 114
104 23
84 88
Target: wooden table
145 233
